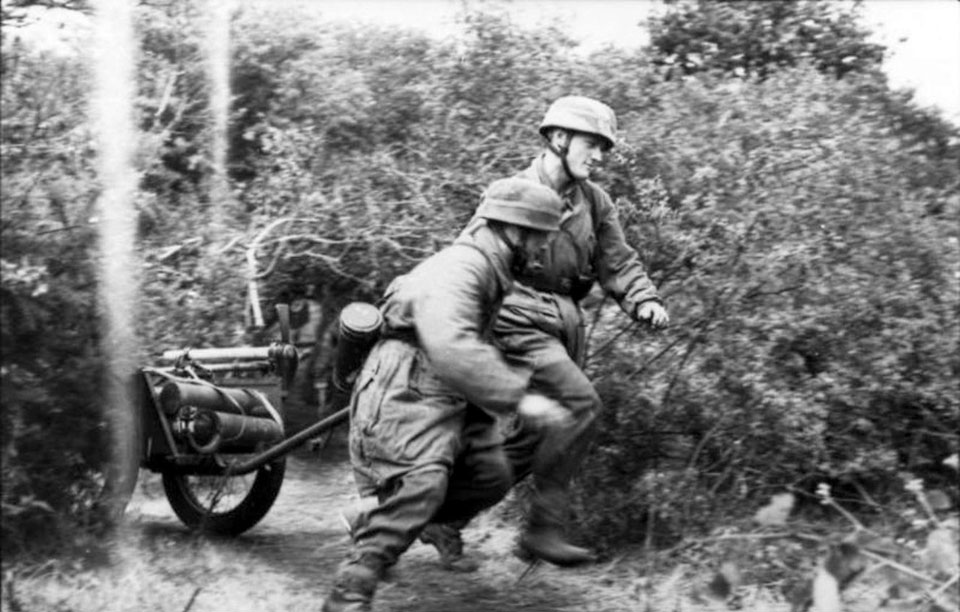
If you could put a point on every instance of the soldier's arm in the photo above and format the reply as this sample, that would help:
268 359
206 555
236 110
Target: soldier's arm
620 272
450 316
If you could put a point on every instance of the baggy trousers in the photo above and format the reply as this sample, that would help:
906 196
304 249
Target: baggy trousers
548 340
412 447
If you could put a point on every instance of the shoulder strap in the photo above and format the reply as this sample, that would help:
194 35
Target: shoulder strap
470 230
477 249
502 281
590 190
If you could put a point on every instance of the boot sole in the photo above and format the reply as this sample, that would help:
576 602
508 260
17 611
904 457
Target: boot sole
527 553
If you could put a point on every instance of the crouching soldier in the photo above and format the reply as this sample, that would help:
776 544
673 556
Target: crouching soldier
408 411
541 323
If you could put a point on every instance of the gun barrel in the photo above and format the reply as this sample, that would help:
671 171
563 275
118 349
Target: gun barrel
220 354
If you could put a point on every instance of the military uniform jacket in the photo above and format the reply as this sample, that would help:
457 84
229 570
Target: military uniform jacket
590 247
446 305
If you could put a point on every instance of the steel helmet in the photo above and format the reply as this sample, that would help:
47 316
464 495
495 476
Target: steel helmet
522 202
581 114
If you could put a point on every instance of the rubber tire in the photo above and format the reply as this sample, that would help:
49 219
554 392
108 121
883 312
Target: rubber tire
233 521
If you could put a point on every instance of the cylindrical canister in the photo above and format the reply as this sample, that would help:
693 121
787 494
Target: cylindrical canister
173 395
358 331
224 432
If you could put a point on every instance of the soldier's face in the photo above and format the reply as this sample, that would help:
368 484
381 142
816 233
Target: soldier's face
585 153
534 241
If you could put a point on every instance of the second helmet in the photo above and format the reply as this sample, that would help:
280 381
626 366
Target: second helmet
522 202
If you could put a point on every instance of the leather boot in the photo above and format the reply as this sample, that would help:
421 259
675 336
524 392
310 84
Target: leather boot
354 587
447 540
543 536
547 542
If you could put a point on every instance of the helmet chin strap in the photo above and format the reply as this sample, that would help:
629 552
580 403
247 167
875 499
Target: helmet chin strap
519 260
561 152
516 248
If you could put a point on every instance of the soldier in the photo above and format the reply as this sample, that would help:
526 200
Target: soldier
540 323
410 400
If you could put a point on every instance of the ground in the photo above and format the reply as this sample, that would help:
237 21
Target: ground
287 563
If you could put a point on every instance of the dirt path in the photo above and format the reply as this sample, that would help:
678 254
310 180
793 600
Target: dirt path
287 562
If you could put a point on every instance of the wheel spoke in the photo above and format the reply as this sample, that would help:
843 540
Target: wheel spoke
219 494
226 505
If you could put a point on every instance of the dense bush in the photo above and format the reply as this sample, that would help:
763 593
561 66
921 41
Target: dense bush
802 228
814 297
51 434
761 38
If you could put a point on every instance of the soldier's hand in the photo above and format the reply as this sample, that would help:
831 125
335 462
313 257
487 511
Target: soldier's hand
541 411
653 314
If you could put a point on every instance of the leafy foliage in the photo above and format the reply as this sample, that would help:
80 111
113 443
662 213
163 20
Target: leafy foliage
798 215
793 266
48 325
761 38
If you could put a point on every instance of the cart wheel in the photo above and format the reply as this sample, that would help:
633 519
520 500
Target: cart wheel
224 505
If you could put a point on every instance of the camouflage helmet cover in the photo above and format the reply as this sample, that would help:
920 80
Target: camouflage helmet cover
522 202
581 114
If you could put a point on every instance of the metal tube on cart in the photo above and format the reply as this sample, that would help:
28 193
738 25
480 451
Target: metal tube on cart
220 354
301 437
